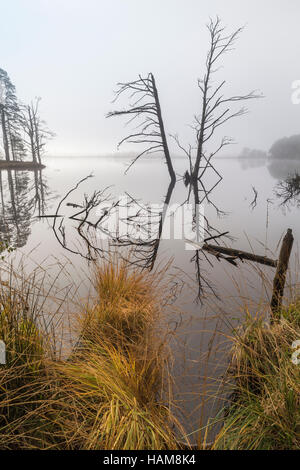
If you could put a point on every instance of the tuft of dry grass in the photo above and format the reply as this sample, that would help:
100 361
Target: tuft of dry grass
128 302
111 393
104 402
22 378
264 413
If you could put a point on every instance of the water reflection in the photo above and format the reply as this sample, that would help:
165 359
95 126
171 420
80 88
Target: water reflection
288 191
278 168
80 218
283 165
143 252
97 231
252 158
23 195
281 169
282 160
98 226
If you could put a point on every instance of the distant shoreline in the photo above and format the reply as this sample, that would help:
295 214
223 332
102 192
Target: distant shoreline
4 165
116 157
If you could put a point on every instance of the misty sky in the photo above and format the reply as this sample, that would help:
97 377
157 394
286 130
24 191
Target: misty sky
72 53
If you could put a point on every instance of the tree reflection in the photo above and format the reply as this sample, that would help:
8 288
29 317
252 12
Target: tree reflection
142 227
288 191
23 195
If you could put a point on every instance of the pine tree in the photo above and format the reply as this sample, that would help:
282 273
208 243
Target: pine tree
10 119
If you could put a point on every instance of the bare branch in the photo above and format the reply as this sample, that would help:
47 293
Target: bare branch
152 132
215 109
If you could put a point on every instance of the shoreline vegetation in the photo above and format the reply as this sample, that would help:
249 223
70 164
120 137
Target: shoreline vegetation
23 133
264 411
114 388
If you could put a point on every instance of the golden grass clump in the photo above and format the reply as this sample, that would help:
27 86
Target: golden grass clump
22 377
128 302
105 402
264 413
112 392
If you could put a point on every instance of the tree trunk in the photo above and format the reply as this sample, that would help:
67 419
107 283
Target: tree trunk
11 142
161 223
162 131
31 136
203 117
37 137
4 135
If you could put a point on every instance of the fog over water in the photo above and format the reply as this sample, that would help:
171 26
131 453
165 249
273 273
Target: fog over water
73 52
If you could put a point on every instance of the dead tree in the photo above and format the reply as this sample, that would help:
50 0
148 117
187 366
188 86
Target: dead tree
31 134
36 132
150 131
216 108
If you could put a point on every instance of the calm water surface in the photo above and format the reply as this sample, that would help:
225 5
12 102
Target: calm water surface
202 322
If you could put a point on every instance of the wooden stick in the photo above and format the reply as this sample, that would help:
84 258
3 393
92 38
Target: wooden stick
280 276
240 254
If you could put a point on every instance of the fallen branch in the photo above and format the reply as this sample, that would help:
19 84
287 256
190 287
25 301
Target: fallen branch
239 254
233 254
